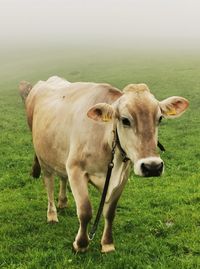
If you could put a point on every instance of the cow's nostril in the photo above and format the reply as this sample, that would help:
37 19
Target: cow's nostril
145 167
160 166
152 169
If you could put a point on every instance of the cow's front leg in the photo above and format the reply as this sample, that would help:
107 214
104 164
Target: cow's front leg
51 211
79 185
121 176
107 243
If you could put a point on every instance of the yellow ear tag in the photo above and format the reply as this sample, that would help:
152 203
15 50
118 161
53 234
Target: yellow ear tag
171 112
106 118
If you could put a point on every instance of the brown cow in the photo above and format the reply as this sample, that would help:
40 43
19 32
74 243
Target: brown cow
73 127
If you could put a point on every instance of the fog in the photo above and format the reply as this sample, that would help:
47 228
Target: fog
112 23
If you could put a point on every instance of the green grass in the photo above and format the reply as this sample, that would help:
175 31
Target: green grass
157 223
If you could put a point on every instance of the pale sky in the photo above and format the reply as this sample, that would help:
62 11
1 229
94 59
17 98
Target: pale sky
128 22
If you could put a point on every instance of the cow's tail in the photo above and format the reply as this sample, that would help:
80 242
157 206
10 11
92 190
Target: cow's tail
36 168
24 89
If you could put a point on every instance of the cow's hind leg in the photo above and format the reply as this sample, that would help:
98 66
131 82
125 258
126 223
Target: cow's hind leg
79 185
51 211
62 198
107 243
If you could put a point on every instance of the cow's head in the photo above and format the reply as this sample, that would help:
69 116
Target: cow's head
137 115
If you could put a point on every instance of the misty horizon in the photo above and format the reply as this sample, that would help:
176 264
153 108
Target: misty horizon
111 23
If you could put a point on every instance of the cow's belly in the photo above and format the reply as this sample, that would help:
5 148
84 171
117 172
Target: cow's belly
53 162
52 168
51 145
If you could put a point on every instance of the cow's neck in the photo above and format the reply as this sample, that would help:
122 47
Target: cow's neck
122 152
116 141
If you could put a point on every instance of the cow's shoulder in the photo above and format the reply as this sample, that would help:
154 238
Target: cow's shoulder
103 93
111 93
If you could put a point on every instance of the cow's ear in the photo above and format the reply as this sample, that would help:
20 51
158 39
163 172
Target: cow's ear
101 112
173 107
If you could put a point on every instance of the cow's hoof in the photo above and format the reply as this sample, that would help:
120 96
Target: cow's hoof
107 248
52 221
78 249
62 203
52 217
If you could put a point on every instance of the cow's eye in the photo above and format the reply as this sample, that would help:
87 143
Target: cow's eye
160 119
126 122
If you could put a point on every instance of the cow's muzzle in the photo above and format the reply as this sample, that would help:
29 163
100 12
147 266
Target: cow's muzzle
149 167
152 170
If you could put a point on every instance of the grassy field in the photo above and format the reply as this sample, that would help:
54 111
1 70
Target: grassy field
157 223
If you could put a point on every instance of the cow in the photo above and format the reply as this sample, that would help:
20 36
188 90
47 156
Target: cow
74 126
